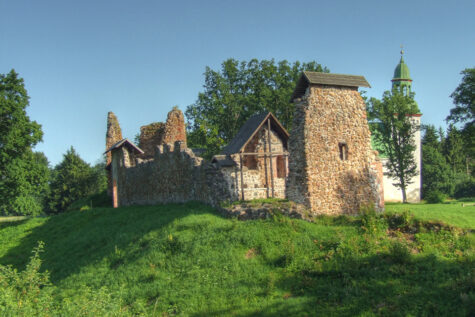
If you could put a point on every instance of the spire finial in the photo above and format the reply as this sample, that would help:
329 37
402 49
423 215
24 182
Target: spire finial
402 51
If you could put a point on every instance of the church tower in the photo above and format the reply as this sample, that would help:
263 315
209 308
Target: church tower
403 82
401 78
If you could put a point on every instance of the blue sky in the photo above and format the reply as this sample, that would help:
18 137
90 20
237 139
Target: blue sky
81 59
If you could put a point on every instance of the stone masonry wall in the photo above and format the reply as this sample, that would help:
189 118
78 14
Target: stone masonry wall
151 136
113 135
158 133
175 128
173 176
330 120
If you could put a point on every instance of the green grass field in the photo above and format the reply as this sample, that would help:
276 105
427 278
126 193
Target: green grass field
187 260
460 214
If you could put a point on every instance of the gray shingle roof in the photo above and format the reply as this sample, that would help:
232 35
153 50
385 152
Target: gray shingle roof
223 160
247 131
125 142
316 78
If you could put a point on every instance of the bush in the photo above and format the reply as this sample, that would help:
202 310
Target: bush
465 188
93 201
371 221
435 197
403 220
399 252
25 293
30 293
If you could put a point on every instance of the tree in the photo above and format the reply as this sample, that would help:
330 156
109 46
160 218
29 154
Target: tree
464 111
22 174
435 170
464 99
72 179
453 150
395 135
238 91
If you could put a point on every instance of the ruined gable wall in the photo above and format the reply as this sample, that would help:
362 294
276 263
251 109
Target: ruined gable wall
175 128
151 136
159 133
173 176
319 178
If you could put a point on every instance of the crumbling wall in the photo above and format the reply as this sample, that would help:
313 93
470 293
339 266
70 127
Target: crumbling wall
158 133
175 128
151 136
331 159
175 175
113 134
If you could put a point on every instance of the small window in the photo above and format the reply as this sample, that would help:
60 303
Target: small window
343 151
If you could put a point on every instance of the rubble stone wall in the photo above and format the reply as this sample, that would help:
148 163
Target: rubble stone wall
158 133
113 135
331 168
151 136
175 175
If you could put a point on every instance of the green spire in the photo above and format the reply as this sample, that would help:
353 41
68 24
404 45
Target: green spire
401 78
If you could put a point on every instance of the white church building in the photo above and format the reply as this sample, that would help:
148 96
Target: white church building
402 79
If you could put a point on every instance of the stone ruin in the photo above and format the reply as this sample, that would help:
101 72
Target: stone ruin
327 164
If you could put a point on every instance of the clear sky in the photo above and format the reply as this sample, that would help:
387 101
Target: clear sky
81 59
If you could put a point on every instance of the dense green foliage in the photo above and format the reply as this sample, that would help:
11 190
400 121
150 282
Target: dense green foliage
187 260
394 132
464 99
436 173
238 91
74 179
23 174
444 168
464 113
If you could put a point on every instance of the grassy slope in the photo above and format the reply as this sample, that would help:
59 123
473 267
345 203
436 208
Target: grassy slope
186 259
451 212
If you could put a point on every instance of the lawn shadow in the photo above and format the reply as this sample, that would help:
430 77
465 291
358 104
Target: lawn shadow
380 285
14 223
78 239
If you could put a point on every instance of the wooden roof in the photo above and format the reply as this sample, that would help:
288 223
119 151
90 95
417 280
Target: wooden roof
317 78
250 128
125 142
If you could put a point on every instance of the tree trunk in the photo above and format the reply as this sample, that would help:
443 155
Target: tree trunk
403 190
404 197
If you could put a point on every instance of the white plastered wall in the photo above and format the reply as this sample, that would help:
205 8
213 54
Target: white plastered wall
413 191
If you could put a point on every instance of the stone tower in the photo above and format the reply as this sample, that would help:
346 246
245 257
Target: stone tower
332 168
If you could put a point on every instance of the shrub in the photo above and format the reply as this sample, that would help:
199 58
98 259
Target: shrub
465 188
399 252
25 293
30 293
371 222
435 197
401 220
